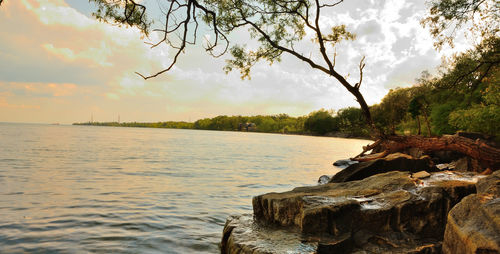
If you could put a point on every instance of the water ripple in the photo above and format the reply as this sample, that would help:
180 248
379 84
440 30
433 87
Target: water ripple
78 189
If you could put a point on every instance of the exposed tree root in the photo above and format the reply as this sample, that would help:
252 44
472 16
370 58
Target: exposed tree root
485 154
370 157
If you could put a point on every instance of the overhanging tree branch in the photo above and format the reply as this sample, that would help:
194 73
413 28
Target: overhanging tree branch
277 25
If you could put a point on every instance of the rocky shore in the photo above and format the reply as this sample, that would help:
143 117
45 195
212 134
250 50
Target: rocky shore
387 205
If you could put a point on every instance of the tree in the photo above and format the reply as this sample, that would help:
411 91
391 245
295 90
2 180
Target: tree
422 92
321 122
276 25
415 108
446 17
482 117
351 121
395 106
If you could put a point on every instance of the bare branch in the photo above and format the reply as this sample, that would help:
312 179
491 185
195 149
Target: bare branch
334 58
331 5
361 67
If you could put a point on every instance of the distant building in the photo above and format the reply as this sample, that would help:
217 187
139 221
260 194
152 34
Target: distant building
247 127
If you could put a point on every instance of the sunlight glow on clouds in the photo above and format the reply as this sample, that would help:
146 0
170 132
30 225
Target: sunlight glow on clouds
59 65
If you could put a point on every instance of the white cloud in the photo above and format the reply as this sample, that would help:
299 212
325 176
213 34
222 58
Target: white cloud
49 42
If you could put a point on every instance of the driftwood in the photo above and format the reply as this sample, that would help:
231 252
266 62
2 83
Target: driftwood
487 155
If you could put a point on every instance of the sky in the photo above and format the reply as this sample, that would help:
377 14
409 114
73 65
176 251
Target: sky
59 65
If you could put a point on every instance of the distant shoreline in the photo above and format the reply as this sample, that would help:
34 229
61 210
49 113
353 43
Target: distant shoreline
151 126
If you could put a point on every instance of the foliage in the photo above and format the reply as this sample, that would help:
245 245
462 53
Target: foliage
126 12
464 97
459 96
439 118
415 107
482 117
274 28
395 106
351 121
446 17
321 122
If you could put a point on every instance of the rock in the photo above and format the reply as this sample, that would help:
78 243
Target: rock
392 162
415 152
324 179
421 175
445 166
445 156
243 235
344 163
467 164
490 184
382 213
474 223
462 164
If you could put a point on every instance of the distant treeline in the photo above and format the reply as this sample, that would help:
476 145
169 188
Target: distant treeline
348 121
169 124
465 96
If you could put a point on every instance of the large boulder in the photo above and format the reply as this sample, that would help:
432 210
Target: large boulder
392 162
474 223
389 212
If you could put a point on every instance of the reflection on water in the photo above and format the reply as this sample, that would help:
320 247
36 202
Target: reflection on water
128 190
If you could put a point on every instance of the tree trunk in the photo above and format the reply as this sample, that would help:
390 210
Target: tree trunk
366 110
428 124
419 127
487 155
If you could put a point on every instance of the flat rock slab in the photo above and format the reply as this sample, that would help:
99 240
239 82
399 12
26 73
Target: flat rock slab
389 212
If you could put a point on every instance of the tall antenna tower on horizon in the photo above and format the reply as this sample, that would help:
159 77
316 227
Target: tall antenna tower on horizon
91 117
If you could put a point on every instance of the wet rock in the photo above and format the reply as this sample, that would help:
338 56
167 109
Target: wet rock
474 223
446 166
344 163
324 179
334 207
421 174
243 235
382 213
392 162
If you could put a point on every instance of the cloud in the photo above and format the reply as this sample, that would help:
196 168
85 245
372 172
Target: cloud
39 89
55 56
96 55
6 105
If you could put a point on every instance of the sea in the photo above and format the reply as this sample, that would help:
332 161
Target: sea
88 189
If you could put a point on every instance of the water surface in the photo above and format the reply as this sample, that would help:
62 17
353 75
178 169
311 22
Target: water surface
81 189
